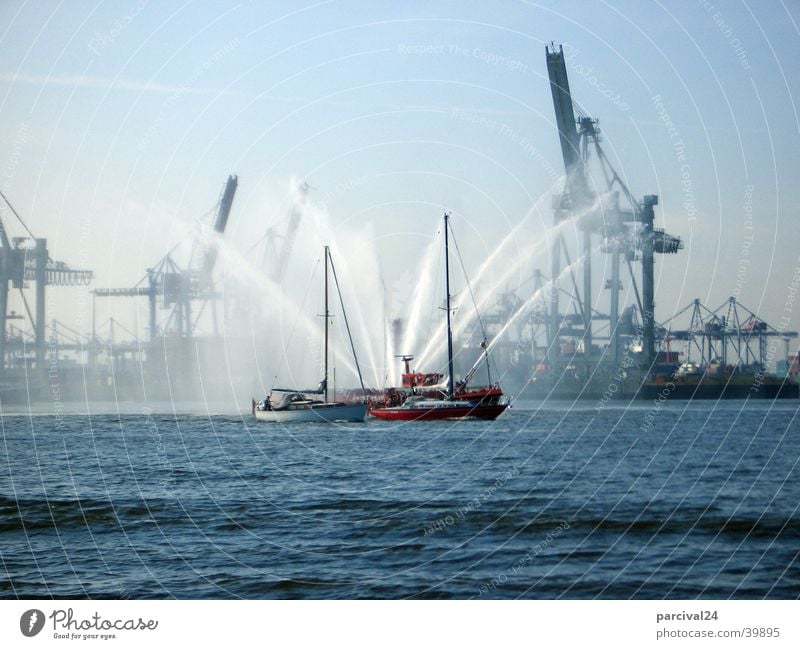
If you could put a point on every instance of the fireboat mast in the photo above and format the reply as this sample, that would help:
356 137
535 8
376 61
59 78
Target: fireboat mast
450 384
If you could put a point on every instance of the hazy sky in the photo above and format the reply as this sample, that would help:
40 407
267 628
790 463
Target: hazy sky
121 121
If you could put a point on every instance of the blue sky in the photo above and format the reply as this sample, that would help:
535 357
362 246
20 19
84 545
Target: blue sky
121 121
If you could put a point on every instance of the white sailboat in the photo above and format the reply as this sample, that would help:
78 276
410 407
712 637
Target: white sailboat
285 406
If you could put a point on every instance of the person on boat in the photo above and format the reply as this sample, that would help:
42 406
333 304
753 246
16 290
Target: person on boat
266 405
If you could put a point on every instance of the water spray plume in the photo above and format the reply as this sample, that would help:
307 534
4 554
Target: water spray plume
422 299
487 290
531 300
359 274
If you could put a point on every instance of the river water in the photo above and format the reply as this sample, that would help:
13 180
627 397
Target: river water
672 500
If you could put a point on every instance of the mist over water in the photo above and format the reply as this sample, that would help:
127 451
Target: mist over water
269 277
275 316
283 325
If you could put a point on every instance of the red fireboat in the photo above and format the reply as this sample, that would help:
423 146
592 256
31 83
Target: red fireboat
424 396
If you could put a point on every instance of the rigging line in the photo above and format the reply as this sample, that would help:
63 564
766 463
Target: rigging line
14 212
346 323
682 311
63 326
125 329
485 343
469 286
27 308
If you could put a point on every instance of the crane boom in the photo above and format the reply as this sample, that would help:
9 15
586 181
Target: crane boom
562 103
576 197
570 135
225 204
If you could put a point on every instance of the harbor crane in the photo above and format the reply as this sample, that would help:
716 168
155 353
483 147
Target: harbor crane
730 335
627 234
278 259
25 260
179 287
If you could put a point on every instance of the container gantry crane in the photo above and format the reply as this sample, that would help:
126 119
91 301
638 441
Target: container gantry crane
25 260
178 287
730 335
624 233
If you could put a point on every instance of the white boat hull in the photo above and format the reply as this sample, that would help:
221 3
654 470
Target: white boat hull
320 412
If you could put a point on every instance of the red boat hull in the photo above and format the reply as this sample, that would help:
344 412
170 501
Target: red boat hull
429 414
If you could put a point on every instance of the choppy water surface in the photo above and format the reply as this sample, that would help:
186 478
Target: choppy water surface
555 501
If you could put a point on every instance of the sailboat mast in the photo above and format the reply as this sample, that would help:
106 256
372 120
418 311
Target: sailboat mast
327 316
450 386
